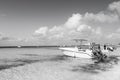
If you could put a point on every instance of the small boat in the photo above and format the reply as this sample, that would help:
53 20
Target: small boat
75 52
79 52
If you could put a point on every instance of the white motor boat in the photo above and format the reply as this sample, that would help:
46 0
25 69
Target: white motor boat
75 52
81 52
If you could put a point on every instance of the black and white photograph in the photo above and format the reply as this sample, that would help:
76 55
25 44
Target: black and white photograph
59 39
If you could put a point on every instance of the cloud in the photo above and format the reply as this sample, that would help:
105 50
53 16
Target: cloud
111 14
73 28
73 21
8 38
98 31
101 17
77 26
9 41
114 35
115 6
41 31
118 30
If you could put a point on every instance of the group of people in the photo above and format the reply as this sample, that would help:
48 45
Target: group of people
97 53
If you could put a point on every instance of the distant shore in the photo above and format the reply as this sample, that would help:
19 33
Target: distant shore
42 46
39 46
26 46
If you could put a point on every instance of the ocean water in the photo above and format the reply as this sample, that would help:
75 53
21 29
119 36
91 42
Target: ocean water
51 64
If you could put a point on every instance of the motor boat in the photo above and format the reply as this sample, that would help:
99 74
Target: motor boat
79 52
76 52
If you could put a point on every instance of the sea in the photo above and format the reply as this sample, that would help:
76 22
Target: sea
49 63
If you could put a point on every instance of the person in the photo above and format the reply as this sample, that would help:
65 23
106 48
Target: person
105 47
98 53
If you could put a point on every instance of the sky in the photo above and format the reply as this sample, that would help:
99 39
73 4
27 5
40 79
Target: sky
54 22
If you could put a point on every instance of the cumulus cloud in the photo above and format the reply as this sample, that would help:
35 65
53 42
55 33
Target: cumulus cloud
115 6
77 25
74 21
84 27
114 35
73 28
98 31
41 31
112 14
101 17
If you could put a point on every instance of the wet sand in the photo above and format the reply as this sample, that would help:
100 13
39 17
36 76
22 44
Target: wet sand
50 64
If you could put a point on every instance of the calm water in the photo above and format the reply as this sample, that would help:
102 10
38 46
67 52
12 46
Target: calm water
52 63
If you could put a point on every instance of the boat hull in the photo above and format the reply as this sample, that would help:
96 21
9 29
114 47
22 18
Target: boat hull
74 52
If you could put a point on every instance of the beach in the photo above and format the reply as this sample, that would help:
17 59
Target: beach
51 64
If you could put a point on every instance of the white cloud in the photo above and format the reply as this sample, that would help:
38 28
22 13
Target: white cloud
73 28
57 36
112 14
101 17
98 31
41 31
115 6
118 30
83 27
77 26
73 21
114 35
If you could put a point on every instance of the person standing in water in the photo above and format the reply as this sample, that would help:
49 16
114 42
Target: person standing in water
105 47
96 49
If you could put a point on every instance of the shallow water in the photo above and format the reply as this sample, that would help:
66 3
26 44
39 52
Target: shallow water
51 64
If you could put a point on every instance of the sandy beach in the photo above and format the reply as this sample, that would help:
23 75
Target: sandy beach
51 64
